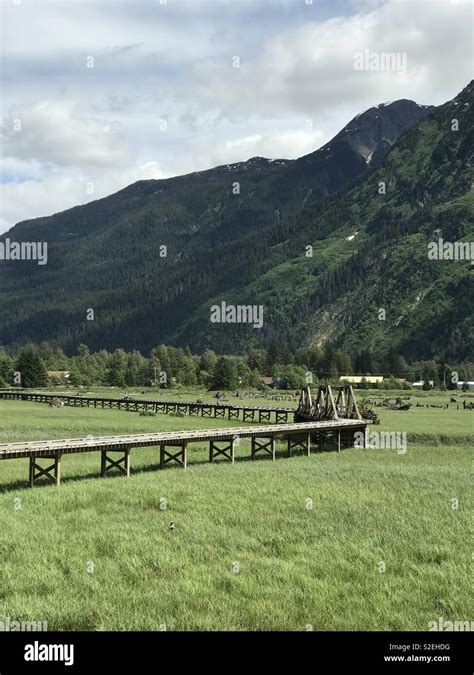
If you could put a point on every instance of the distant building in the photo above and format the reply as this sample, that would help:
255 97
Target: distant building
460 385
269 381
357 379
420 383
58 374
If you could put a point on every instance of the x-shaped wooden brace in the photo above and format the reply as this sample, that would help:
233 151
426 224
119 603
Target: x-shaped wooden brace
179 457
123 463
328 439
268 446
227 451
52 472
299 442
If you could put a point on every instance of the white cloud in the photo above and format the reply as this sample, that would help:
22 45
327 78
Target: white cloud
51 133
101 125
310 70
288 144
57 191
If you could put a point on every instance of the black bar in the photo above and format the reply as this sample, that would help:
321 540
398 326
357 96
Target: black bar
324 652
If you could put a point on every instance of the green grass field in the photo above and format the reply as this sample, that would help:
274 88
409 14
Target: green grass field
364 539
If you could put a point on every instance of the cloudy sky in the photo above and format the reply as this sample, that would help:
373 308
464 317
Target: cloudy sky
97 94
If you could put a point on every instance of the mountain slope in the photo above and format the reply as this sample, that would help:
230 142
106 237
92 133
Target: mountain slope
106 255
370 253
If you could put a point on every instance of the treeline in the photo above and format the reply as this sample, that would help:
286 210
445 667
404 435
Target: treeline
169 367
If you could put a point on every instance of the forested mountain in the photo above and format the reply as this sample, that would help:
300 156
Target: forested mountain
370 253
241 232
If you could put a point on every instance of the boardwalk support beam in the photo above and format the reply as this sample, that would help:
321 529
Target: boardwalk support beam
263 445
299 442
122 464
52 472
180 457
227 450
330 439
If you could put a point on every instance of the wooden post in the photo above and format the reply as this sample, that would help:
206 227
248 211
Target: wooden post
57 468
332 405
31 478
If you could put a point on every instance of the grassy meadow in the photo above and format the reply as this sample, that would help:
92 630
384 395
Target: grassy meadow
364 539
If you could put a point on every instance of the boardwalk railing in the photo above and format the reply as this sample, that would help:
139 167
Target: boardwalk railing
334 434
279 415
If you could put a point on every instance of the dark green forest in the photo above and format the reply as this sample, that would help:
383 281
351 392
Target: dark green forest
332 249
168 367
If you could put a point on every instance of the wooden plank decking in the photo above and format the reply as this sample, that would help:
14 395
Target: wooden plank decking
91 443
173 445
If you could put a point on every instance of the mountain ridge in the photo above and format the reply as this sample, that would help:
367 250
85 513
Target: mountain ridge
218 244
252 162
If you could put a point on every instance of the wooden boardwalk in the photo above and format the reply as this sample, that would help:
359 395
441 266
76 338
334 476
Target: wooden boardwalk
279 415
173 445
